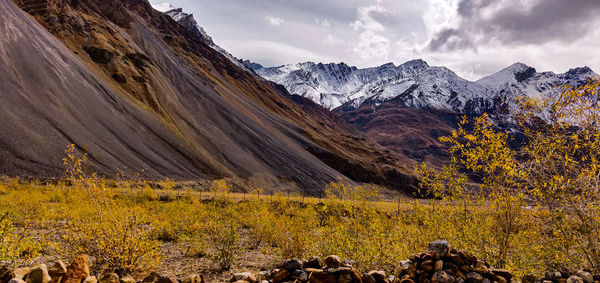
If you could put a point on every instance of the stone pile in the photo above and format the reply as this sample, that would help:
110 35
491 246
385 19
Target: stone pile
79 272
563 276
439 264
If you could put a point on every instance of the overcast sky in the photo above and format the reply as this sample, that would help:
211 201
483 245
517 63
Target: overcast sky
474 38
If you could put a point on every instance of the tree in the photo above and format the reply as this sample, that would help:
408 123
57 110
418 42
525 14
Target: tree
555 167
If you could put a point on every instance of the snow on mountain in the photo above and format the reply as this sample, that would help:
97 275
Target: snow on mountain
188 21
415 84
163 7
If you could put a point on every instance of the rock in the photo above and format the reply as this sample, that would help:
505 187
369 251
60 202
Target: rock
547 281
320 276
313 262
348 263
378 275
440 246
427 265
575 279
480 267
553 276
565 272
242 281
460 274
407 267
20 273
129 279
292 264
280 275
16 280
192 279
437 266
57 270
503 273
299 274
586 276
344 278
245 276
393 279
110 278
442 277
90 279
367 278
473 277
157 278
77 271
529 278
332 261
262 275
6 274
38 274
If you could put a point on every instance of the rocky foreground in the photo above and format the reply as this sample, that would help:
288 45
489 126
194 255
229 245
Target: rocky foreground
439 264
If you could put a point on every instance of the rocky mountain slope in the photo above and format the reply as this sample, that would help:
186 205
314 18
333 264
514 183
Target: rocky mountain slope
135 89
188 21
406 108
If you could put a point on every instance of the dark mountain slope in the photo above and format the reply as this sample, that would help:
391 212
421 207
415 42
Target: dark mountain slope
218 119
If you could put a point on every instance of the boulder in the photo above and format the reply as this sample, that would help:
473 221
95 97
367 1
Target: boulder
320 276
332 261
438 265
280 275
442 277
57 270
441 247
529 278
90 279
157 278
586 276
575 279
480 267
503 273
6 274
20 273
245 276
379 276
299 275
38 274
292 264
473 277
77 271
313 262
110 278
193 279
16 280
129 279
367 278
264 275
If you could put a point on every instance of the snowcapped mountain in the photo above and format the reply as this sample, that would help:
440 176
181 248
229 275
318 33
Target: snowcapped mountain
188 21
414 84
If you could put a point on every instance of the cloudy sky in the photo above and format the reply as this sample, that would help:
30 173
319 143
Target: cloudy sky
472 37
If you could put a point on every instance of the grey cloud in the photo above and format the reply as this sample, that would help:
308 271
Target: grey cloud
512 23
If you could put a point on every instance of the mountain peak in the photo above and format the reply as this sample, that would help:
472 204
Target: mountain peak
518 67
416 63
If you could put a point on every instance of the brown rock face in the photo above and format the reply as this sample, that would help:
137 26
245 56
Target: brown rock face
137 90
77 271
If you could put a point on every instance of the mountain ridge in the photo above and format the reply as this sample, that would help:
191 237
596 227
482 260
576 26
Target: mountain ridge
336 85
